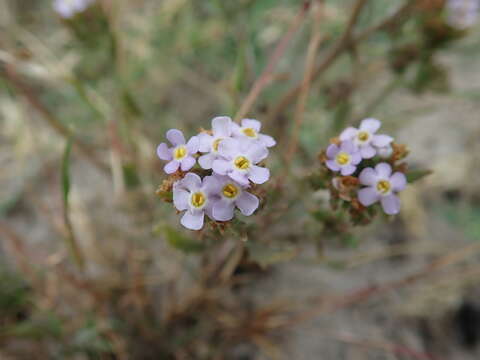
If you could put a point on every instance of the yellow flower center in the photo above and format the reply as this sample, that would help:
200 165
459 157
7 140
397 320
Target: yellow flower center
216 143
230 191
198 199
242 163
383 186
250 132
363 136
180 152
343 158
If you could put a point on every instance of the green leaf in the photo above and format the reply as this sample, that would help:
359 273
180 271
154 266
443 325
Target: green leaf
415 175
66 172
266 255
179 241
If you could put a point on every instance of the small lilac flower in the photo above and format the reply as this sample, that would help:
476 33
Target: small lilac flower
69 8
232 195
195 196
343 158
462 14
181 154
364 137
382 186
250 129
222 129
240 159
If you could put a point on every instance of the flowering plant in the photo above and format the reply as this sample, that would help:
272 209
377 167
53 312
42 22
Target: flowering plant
364 171
229 160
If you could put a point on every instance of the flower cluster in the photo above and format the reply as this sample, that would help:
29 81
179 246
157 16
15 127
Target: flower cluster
363 169
229 158
69 8
462 14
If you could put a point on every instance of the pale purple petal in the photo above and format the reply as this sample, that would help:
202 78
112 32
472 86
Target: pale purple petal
381 140
258 175
164 152
228 148
367 152
209 208
332 165
205 142
221 126
332 150
180 198
223 210
368 176
191 181
206 161
368 196
247 203
348 170
212 184
171 167
256 153
370 125
175 137
385 152
221 167
391 204
193 221
383 170
193 145
348 147
252 123
267 140
239 177
356 158
187 163
348 134
398 181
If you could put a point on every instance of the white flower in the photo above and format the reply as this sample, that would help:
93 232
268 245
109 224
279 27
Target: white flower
195 197
231 194
69 8
222 128
239 159
250 129
365 138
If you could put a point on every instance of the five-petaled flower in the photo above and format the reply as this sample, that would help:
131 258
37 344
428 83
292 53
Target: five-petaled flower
382 186
250 129
230 195
239 161
196 197
221 129
343 158
365 138
181 154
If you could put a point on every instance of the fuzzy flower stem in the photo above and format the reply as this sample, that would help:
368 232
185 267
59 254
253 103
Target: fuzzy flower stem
267 73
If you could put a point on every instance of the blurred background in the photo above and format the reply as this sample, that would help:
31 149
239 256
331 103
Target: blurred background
94 265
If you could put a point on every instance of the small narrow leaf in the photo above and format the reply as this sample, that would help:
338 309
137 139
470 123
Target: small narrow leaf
66 172
416 175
